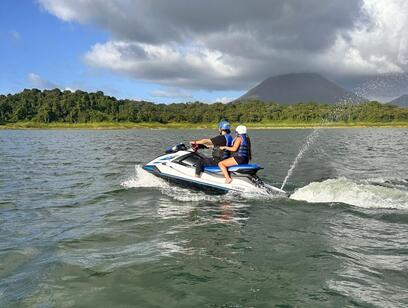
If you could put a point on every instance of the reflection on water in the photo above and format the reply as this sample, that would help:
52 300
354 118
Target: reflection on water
79 227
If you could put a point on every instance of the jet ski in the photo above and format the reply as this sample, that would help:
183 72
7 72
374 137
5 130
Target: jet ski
177 165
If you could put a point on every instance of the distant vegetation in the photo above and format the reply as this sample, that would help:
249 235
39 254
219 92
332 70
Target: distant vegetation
55 106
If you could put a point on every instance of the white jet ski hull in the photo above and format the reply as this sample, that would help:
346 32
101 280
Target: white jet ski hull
179 168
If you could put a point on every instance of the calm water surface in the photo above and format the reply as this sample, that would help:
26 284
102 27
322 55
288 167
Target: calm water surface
81 225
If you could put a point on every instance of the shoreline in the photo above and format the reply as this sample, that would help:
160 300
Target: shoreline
130 125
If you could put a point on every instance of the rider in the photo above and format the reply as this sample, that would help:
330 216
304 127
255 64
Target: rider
241 152
223 139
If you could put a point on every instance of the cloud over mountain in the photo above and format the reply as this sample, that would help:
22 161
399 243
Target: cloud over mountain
233 44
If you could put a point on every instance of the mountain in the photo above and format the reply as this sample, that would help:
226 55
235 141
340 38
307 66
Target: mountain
401 101
301 87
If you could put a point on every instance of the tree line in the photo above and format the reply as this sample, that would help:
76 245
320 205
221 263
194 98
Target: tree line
82 107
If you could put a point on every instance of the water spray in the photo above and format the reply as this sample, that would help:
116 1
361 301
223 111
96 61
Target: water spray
309 140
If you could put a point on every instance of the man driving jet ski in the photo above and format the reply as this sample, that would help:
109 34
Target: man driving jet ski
223 139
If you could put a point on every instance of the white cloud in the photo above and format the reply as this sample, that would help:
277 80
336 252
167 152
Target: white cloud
38 82
380 43
168 65
223 99
171 93
70 89
15 35
233 44
61 10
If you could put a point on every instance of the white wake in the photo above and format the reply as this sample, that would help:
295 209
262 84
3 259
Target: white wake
142 178
365 194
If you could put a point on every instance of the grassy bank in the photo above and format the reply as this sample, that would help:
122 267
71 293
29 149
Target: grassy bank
97 125
153 125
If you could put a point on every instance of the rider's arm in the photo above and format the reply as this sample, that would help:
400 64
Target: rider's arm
206 142
234 147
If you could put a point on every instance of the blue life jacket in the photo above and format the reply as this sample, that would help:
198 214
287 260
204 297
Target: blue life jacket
228 142
243 150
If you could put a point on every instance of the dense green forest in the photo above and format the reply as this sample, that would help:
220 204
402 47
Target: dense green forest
81 107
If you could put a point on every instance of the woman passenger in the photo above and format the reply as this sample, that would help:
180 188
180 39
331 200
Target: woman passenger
240 150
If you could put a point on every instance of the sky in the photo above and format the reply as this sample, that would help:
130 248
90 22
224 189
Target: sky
214 50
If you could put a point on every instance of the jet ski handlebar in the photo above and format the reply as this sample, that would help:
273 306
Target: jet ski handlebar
182 147
195 146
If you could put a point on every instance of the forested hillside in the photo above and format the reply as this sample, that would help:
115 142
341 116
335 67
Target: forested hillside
81 107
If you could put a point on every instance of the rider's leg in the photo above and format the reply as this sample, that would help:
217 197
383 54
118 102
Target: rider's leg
206 161
224 164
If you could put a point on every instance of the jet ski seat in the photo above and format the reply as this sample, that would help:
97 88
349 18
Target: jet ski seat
247 169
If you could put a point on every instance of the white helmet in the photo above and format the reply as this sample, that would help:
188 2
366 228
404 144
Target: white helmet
241 129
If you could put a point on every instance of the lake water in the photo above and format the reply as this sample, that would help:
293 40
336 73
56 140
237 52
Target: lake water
82 225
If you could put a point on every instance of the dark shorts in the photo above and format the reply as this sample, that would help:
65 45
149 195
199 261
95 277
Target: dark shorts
205 161
241 160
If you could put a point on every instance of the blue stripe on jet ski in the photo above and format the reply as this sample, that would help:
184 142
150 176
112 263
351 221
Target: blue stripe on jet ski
149 168
168 157
216 169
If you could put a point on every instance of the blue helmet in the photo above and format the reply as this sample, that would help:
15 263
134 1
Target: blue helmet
224 125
